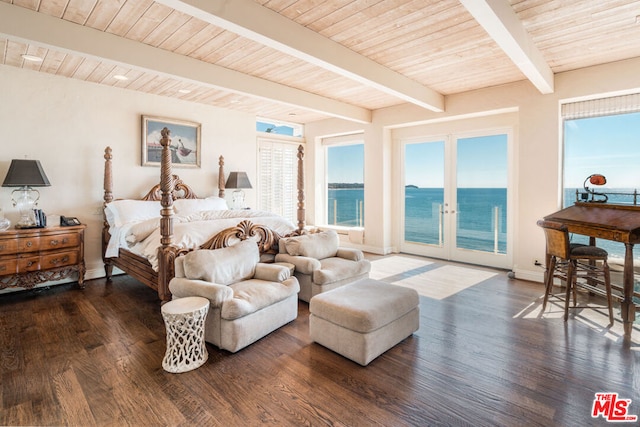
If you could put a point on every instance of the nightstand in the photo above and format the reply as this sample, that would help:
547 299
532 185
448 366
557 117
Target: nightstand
36 255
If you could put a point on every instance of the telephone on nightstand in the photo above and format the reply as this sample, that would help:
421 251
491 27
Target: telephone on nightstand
67 221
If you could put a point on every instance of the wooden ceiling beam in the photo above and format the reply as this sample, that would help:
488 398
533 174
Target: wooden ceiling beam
32 27
500 21
258 23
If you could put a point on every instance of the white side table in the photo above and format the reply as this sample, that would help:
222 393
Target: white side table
184 320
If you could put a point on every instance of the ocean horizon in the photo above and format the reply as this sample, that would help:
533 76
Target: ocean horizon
481 215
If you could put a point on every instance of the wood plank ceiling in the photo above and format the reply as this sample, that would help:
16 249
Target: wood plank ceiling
305 60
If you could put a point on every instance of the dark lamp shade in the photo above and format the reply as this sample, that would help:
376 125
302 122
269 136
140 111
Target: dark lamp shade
26 173
238 180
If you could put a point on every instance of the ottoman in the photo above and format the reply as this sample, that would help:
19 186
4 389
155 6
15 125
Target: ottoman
364 319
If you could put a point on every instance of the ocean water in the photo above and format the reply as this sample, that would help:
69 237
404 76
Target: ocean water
481 215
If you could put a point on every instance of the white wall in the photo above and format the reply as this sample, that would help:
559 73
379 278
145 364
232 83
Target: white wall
66 124
537 136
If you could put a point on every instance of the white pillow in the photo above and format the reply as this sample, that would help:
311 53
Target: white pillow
315 245
141 230
223 266
120 212
189 206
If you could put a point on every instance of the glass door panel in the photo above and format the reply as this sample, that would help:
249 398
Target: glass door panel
424 198
481 194
455 199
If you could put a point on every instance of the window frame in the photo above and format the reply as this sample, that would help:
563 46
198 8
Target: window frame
338 141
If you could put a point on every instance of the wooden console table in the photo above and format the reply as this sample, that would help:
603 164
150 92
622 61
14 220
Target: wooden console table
618 223
37 255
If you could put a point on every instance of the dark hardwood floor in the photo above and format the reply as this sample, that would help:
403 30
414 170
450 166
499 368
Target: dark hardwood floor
482 357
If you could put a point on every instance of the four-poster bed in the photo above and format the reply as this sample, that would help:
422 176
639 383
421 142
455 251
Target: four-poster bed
157 269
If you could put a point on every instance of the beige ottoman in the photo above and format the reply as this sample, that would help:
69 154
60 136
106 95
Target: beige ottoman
362 320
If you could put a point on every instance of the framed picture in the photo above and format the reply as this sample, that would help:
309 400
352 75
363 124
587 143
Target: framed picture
185 142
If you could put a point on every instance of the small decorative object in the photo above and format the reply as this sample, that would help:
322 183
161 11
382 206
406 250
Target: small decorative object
594 179
184 144
26 174
238 180
4 222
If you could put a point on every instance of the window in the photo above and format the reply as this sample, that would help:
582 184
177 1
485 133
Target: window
345 184
278 177
601 136
279 128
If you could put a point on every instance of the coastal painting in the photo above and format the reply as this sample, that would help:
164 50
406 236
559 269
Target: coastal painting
185 142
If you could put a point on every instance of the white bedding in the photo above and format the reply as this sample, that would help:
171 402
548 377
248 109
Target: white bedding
189 231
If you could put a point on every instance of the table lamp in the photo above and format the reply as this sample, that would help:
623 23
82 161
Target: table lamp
25 174
238 180
595 179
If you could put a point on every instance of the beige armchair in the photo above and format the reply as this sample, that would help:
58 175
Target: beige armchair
248 299
320 265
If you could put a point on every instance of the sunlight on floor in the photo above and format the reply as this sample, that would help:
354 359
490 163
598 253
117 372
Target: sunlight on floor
429 279
596 317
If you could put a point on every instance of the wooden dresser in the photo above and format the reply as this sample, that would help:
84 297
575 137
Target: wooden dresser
32 256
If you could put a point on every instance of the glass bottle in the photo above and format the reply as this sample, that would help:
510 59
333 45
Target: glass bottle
4 222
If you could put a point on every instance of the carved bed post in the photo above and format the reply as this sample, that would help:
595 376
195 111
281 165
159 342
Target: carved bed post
301 209
166 252
221 183
108 198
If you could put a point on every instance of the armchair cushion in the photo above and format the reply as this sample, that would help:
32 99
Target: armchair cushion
302 264
272 272
336 269
350 254
316 245
181 287
252 295
223 266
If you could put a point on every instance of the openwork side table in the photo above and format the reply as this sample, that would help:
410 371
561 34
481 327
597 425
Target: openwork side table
184 320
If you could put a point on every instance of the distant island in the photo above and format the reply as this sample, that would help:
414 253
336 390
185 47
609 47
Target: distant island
338 185
411 186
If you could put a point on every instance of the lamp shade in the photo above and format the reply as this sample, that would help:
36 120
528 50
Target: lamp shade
238 180
26 173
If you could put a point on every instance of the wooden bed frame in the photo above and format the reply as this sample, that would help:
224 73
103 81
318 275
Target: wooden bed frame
171 187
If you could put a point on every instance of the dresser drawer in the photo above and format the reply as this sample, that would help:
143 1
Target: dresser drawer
29 244
8 247
30 263
59 259
8 266
70 240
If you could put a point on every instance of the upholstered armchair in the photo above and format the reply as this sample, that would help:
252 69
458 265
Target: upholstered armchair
248 299
320 264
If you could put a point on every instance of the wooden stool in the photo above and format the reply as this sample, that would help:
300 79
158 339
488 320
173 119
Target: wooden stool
184 319
570 262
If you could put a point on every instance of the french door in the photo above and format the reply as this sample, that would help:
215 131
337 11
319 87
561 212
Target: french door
456 200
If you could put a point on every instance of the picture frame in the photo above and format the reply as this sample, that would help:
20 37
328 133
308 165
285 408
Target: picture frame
185 142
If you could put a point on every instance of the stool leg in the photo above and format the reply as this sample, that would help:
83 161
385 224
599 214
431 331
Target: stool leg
548 281
570 286
607 284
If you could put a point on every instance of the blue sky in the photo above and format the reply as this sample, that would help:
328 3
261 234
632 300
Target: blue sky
346 163
481 163
607 145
